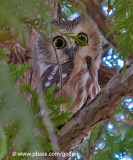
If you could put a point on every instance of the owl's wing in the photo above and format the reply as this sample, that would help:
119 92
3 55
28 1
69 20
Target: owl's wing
52 75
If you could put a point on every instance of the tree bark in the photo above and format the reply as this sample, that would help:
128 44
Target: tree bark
94 9
105 74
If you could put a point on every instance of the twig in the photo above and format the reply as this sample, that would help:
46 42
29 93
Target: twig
19 57
98 136
60 69
90 149
12 150
105 49
89 142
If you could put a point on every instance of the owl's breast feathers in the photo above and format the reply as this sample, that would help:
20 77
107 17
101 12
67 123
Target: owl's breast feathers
83 83
79 81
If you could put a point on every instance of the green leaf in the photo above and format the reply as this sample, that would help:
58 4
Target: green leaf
4 54
18 71
3 144
123 22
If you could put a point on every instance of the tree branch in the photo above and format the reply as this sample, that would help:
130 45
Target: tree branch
101 108
95 10
98 136
90 149
105 74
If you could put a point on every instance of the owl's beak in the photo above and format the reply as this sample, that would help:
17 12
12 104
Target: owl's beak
71 52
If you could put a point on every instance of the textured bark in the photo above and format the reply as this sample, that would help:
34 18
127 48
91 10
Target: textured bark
105 74
94 9
101 108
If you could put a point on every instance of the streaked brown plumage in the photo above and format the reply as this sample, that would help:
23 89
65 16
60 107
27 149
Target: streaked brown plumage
79 62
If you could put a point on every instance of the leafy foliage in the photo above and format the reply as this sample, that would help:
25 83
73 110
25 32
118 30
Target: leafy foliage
18 71
123 22
12 111
21 15
4 54
18 119
114 143
57 116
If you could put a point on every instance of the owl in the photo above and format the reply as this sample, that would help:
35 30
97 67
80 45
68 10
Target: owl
77 44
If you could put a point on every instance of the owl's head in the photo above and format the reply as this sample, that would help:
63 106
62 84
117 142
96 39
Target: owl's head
80 36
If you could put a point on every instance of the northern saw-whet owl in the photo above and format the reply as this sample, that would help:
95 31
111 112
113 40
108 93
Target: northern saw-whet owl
79 58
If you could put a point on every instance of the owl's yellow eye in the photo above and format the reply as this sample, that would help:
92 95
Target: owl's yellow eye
59 42
82 39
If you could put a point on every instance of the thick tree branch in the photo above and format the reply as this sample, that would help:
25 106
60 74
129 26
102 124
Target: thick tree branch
95 10
101 108
105 74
